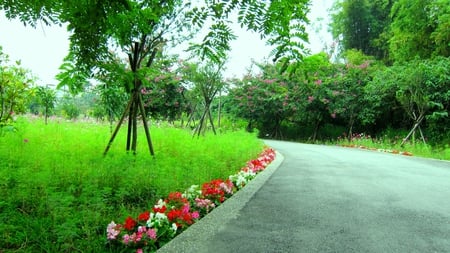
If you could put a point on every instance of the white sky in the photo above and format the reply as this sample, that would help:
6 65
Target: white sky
43 49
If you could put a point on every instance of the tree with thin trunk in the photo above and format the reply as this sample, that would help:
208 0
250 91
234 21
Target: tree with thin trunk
47 98
207 81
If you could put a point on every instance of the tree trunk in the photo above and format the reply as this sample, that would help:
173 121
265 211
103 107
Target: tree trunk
413 130
201 123
211 121
46 114
316 130
220 110
135 105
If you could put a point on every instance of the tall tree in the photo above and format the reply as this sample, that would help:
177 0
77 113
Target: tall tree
361 25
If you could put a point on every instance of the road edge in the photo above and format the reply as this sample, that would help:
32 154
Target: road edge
202 231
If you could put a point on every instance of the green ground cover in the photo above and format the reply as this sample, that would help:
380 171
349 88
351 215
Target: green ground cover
59 192
393 145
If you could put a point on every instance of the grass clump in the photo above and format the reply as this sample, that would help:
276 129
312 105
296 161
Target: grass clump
59 192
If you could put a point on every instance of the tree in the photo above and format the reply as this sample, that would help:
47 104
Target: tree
361 25
422 92
15 89
164 93
309 92
263 101
207 81
46 98
349 99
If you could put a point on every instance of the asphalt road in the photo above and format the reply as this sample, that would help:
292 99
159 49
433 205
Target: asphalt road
330 199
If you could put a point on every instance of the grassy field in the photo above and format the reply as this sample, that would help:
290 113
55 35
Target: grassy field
59 192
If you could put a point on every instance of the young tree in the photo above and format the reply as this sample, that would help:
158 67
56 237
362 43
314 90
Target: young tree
207 81
46 98
423 92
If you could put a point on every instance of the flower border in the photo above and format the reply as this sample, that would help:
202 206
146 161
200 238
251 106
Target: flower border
169 217
393 151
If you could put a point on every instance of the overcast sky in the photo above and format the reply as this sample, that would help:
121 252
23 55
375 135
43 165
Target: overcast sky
42 49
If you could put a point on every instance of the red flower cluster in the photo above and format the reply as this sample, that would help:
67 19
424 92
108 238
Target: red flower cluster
217 190
144 216
176 200
261 162
129 223
157 209
182 217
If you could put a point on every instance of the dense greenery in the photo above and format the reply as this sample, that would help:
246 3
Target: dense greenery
360 96
59 193
393 30
15 89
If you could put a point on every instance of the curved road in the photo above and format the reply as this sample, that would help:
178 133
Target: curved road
331 199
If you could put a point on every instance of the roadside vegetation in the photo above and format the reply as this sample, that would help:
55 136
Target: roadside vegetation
59 192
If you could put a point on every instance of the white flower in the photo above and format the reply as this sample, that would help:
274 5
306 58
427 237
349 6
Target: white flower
161 203
156 219
192 192
174 227
160 216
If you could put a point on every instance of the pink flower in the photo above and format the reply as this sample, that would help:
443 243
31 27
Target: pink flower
139 251
269 81
126 239
195 215
112 230
205 203
310 99
151 233
318 82
185 209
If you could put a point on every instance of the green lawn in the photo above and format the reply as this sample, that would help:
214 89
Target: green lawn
59 192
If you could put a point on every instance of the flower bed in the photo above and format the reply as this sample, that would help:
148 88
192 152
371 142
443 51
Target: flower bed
391 151
169 217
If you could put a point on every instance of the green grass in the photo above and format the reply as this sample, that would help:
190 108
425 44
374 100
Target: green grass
59 192
418 148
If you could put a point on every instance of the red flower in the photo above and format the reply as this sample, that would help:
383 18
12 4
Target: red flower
175 199
188 218
129 223
173 214
159 209
144 216
176 196
213 190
